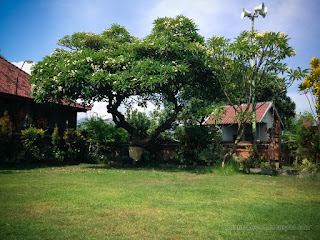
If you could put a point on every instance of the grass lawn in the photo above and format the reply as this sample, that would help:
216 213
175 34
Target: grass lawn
93 202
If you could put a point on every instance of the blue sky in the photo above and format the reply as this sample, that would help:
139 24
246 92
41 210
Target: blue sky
31 28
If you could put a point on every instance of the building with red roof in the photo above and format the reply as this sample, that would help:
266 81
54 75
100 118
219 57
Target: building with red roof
16 98
268 129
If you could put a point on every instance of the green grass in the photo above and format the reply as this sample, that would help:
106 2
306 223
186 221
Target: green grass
93 202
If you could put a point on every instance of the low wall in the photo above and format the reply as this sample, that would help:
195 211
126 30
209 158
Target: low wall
265 149
159 149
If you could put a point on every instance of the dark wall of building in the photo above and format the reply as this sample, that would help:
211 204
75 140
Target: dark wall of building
24 112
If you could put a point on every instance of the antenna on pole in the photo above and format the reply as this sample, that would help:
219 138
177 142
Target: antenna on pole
245 13
259 10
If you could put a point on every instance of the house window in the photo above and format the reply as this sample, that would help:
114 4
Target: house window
234 137
248 137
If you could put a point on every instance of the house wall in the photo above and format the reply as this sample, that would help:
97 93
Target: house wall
269 145
266 123
268 118
228 131
48 115
261 132
25 112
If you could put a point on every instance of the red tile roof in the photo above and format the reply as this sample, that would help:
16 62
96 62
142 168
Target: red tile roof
8 83
228 117
8 79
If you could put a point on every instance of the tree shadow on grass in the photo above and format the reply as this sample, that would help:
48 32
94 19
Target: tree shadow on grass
6 172
10 168
173 168
176 168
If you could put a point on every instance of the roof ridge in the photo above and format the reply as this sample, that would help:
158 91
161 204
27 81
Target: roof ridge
245 104
261 109
14 65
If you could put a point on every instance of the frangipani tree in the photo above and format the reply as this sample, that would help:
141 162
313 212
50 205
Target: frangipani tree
233 62
168 67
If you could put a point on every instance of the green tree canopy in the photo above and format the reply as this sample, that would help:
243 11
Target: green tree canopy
243 79
168 67
101 133
233 61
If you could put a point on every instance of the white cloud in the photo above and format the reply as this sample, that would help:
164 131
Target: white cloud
212 17
149 108
222 18
99 109
26 66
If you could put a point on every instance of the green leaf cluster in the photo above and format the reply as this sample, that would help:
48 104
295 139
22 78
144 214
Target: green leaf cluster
100 133
94 67
300 141
252 58
168 67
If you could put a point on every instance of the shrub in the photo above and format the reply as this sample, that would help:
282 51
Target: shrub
99 132
104 138
199 145
6 131
57 146
267 165
300 141
73 139
76 149
34 146
268 168
255 159
72 147
239 160
55 138
308 166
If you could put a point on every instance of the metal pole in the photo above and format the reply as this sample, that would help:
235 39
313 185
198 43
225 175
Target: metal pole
18 77
253 85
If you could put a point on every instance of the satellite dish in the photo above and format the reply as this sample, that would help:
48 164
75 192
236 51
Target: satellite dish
245 13
261 10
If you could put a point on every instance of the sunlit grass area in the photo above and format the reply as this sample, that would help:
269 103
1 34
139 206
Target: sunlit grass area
94 202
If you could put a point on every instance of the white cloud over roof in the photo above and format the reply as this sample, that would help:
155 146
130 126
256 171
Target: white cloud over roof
26 67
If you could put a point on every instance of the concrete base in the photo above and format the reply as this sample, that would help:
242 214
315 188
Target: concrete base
136 153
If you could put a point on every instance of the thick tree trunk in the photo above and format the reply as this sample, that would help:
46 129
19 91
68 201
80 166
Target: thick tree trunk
137 143
232 150
255 145
254 129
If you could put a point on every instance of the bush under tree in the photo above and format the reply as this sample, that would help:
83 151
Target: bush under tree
6 132
198 145
104 139
35 148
